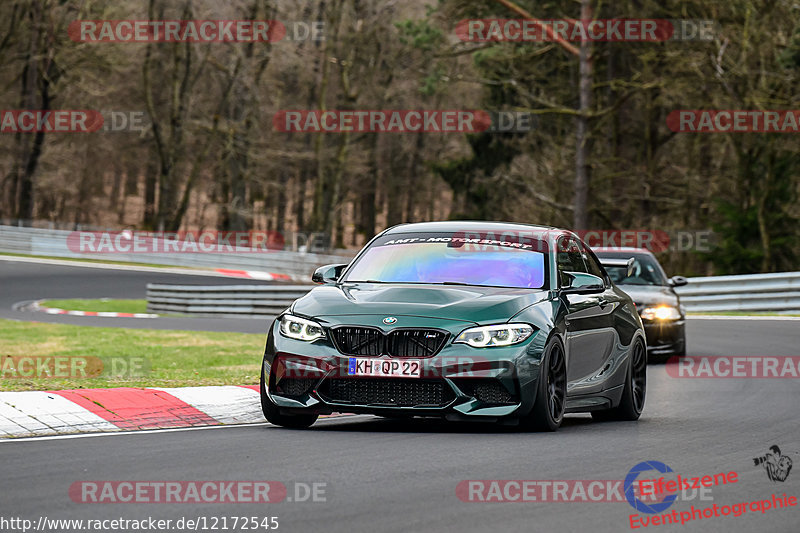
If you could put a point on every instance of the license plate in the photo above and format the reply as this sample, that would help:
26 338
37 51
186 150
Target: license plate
384 368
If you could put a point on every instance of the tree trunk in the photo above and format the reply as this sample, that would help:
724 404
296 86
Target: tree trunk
765 184
393 188
583 147
413 176
367 192
35 82
150 182
321 215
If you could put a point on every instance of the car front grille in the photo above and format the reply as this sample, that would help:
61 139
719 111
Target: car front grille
354 340
358 341
415 342
404 392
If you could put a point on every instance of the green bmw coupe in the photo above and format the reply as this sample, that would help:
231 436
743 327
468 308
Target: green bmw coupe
500 322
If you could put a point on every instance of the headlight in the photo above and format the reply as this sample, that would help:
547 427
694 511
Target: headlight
496 335
662 312
301 329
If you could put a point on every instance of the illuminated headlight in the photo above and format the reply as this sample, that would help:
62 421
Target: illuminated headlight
662 312
497 335
301 329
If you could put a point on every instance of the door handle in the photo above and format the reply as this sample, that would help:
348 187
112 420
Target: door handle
603 302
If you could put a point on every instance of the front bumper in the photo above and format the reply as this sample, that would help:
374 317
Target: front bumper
665 337
459 382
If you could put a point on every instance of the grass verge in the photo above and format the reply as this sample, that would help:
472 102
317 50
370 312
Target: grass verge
104 305
130 357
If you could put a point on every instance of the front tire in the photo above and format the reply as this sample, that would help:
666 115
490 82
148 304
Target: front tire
272 412
682 351
551 390
633 395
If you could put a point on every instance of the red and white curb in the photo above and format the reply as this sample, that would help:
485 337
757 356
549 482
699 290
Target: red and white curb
253 274
37 413
36 306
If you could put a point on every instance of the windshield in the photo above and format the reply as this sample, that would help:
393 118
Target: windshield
448 259
645 272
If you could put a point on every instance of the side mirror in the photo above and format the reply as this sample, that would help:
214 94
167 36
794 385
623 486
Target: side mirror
677 281
583 283
327 273
631 269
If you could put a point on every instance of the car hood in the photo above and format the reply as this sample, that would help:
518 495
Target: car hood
650 294
471 304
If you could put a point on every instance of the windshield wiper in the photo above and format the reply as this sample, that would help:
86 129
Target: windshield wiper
462 284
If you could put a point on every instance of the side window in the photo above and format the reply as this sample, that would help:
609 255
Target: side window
593 266
569 258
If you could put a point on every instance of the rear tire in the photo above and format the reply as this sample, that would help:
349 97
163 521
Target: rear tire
551 390
272 412
633 395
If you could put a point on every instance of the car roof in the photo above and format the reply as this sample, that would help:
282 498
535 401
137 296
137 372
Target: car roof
466 225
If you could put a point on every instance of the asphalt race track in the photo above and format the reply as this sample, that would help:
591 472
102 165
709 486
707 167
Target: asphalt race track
22 281
402 475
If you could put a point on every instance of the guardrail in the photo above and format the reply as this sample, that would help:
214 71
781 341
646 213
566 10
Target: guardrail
759 292
223 300
754 292
53 243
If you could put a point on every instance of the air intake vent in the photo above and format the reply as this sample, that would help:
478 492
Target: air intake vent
294 387
387 392
489 391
